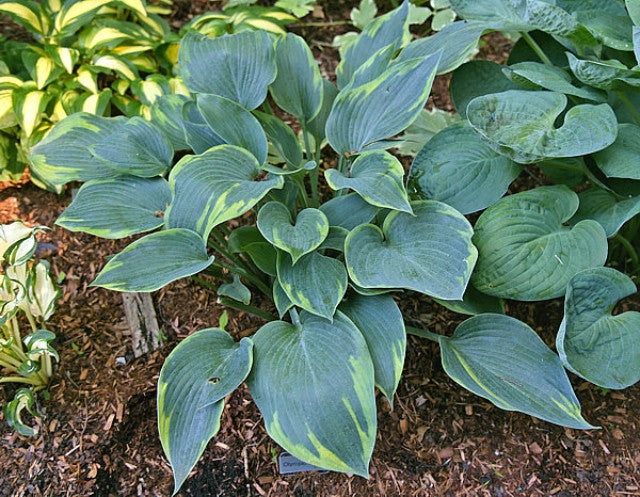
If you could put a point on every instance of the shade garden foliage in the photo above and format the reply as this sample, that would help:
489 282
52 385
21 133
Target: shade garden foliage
336 257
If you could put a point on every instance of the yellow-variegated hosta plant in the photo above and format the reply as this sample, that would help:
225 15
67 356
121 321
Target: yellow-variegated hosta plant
26 288
330 259
95 56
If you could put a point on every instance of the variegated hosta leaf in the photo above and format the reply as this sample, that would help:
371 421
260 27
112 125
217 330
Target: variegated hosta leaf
281 299
282 138
197 132
377 177
166 114
382 108
317 125
12 410
520 124
315 283
238 127
503 360
468 178
28 105
314 385
74 13
597 346
137 148
249 240
348 211
429 252
17 242
425 127
122 66
391 28
63 155
155 260
118 207
42 293
297 238
26 13
526 252
215 186
194 380
473 303
244 65
297 88
382 326
621 159
608 209
373 67
603 74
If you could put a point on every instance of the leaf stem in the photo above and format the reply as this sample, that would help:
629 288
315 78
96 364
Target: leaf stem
295 317
314 175
267 316
423 333
536 48
22 379
631 251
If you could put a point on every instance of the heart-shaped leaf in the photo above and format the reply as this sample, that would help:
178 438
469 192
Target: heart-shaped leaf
213 187
526 252
606 208
314 385
155 260
503 360
348 211
297 239
195 378
382 326
377 177
429 252
621 158
119 207
520 124
468 178
601 348
235 290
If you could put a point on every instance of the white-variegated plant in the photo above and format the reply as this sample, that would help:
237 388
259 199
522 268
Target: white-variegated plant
26 288
331 258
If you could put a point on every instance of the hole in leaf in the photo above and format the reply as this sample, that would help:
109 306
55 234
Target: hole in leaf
214 380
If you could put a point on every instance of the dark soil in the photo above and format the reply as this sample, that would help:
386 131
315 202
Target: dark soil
98 435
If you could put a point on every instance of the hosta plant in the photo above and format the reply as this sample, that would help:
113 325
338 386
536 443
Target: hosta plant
26 289
333 237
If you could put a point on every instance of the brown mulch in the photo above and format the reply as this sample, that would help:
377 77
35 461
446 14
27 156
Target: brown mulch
99 432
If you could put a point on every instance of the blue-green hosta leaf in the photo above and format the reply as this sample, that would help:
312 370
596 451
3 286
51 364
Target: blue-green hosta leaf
382 108
137 147
391 28
235 290
195 378
297 238
377 177
603 74
282 138
239 67
425 127
473 303
314 385
297 88
281 299
636 43
526 252
315 283
429 252
550 78
197 132
568 171
335 239
608 21
118 207
166 113
621 159
238 126
249 240
599 347
63 155
215 186
373 67
606 208
317 125
468 178
503 360
633 8
380 322
520 124
155 260
348 211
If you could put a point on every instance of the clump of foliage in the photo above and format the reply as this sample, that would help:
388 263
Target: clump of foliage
26 288
330 263
85 55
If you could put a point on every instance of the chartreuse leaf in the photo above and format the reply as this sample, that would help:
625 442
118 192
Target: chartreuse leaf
391 28
609 210
597 346
348 211
315 283
74 13
238 127
28 105
314 385
382 326
377 176
155 260
520 124
166 114
197 132
297 238
197 375
137 147
621 159
63 155
118 207
468 178
473 303
244 65
215 186
297 88
249 240
526 251
429 252
503 360
382 108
